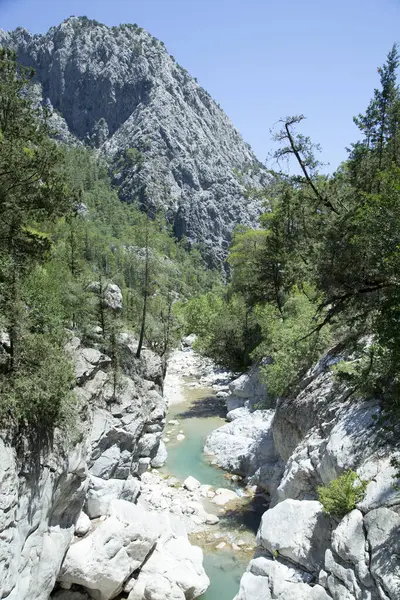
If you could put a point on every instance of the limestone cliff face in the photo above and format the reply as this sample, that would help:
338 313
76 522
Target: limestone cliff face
117 88
307 441
114 439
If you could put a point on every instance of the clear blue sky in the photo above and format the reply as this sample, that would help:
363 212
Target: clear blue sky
260 59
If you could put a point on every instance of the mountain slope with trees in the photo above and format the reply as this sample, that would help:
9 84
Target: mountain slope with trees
66 241
323 269
118 90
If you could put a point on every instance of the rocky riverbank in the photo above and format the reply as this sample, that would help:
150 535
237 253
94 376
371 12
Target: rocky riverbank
97 519
76 519
306 441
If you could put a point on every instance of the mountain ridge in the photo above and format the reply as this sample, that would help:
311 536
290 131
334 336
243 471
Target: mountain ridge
117 88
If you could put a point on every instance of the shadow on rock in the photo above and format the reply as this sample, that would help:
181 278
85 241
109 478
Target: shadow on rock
210 406
246 515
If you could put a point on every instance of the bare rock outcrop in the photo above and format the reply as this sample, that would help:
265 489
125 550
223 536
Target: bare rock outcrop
118 89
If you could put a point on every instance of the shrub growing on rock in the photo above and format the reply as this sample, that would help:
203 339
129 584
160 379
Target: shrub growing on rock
342 494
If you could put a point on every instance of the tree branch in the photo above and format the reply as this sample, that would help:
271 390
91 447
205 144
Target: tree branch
310 182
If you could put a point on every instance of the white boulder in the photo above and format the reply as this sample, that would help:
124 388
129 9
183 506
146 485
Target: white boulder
177 562
156 588
252 587
383 527
83 525
249 386
296 530
246 446
103 561
161 457
191 484
224 496
282 581
102 492
348 539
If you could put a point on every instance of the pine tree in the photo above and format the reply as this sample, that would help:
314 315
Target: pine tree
31 188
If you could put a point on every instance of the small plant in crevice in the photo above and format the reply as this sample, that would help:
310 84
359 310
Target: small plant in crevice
342 494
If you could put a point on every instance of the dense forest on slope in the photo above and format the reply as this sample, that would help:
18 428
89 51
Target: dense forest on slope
323 269
66 242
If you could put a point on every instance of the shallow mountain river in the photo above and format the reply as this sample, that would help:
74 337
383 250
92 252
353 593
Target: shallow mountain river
199 413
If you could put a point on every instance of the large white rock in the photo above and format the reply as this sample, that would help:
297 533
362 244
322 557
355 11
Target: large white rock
383 528
103 491
237 413
297 530
224 496
111 294
161 522
303 591
179 563
338 591
87 360
103 561
252 587
246 444
147 443
249 386
83 525
37 520
350 440
107 462
157 587
191 483
348 539
344 574
234 403
380 489
161 457
189 340
283 582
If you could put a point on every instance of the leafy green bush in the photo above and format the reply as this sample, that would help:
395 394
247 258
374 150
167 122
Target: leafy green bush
39 396
228 330
287 341
342 494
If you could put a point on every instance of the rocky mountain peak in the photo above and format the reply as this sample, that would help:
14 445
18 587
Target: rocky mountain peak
117 88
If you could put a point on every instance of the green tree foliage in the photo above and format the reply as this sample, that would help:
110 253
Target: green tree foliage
36 376
287 342
342 494
323 267
228 330
31 190
64 237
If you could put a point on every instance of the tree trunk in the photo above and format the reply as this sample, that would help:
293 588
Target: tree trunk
145 294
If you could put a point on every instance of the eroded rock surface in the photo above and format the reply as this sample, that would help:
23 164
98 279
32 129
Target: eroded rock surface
117 88
41 504
313 438
38 512
128 539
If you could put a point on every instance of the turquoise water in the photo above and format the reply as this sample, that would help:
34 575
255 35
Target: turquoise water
198 416
197 419
224 570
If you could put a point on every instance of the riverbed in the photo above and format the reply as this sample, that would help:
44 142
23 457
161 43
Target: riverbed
197 414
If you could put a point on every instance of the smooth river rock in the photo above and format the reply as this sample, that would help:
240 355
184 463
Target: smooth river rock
224 496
